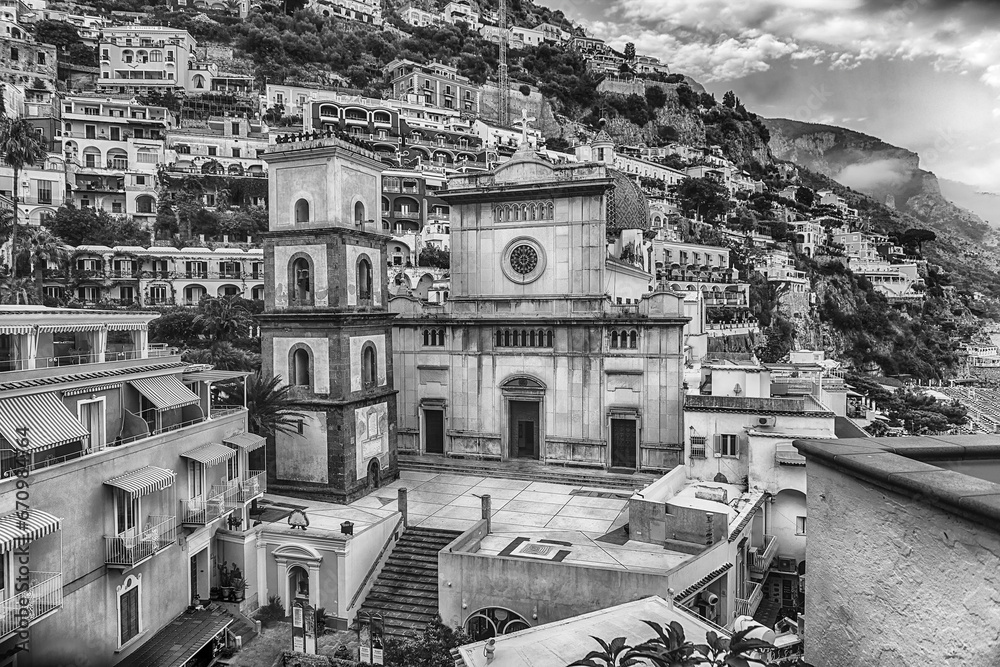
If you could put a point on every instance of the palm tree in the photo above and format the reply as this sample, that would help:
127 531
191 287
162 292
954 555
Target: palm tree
224 356
17 291
270 407
21 146
41 247
224 318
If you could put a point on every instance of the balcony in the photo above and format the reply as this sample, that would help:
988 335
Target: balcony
438 215
44 596
406 215
747 606
14 365
132 547
761 557
201 511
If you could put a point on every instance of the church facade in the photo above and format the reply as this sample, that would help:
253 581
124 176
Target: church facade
326 329
552 345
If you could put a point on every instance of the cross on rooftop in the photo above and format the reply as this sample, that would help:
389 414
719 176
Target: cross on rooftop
525 119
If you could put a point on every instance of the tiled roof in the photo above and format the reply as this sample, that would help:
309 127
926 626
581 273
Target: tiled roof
701 583
180 640
748 513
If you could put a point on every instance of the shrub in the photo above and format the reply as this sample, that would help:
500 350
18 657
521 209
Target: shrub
272 612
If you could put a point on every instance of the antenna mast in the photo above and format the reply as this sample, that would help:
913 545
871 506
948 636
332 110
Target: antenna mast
504 76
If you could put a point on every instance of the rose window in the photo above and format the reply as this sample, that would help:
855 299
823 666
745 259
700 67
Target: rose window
523 259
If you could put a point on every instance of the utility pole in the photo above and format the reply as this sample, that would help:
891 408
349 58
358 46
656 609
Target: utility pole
503 107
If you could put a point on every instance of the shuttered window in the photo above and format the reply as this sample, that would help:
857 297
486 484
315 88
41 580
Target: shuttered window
129 614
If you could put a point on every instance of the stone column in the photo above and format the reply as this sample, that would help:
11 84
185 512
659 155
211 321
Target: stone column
401 505
487 513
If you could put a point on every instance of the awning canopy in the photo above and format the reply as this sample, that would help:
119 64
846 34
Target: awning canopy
247 441
214 376
143 481
17 329
15 531
35 422
211 454
165 391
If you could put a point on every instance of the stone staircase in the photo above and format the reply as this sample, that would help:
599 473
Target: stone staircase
241 626
533 471
406 590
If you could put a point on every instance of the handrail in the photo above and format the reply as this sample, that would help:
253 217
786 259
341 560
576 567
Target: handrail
378 559
128 548
44 594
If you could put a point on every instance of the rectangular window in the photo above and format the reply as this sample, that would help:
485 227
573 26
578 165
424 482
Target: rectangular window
236 152
44 192
14 54
727 444
235 127
127 294
140 180
195 482
129 614
212 150
116 207
158 294
232 468
210 199
800 525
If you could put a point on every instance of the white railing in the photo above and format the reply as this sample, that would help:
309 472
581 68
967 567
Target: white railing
747 606
87 359
44 594
133 545
202 510
761 557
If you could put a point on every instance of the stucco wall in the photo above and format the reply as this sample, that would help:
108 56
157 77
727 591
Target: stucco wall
303 457
894 581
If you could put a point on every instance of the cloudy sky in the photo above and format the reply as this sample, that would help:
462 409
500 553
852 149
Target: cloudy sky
922 74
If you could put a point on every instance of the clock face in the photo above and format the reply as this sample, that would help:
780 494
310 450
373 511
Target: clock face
523 259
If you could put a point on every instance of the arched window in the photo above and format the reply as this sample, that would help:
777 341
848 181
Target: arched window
364 279
614 339
298 369
427 337
300 283
369 366
359 213
548 339
301 211
632 339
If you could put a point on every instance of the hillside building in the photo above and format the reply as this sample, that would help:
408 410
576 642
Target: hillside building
438 84
361 11
23 60
420 17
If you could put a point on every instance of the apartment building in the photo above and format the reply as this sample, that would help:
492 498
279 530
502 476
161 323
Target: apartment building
138 59
419 17
112 149
221 146
23 60
553 33
413 214
362 11
240 8
127 276
522 37
139 482
41 188
438 84
460 12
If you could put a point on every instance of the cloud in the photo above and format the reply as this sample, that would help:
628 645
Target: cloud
878 175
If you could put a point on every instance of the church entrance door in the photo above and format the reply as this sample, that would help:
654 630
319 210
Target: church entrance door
623 443
434 431
523 423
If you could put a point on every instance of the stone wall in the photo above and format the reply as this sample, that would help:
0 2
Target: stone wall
895 581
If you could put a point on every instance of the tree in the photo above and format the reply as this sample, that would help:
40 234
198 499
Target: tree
703 197
670 648
729 99
269 407
432 648
805 196
225 356
16 290
224 318
175 327
708 100
656 97
40 247
21 146
630 52
59 34
917 237
78 226
687 97
433 256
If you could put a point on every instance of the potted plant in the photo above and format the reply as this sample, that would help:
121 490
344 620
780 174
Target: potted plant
225 581
215 593
239 589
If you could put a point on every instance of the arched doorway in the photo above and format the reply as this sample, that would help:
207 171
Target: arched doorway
298 582
493 622
523 403
374 474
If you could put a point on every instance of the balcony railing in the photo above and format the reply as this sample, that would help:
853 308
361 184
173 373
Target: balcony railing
407 215
747 606
761 557
44 594
201 511
81 359
242 490
131 547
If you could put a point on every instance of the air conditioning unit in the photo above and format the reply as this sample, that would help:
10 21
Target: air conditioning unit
765 421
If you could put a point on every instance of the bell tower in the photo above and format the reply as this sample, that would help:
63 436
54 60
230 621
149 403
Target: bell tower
325 329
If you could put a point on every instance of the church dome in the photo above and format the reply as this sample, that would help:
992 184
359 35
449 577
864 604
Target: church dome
627 205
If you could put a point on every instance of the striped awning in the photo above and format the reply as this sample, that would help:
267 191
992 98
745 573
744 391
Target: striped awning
93 389
16 329
247 441
211 454
127 326
165 391
16 530
214 376
143 481
60 328
35 422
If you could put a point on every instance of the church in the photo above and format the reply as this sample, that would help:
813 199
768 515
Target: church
552 345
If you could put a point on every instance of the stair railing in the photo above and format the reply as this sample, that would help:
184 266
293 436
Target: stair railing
375 563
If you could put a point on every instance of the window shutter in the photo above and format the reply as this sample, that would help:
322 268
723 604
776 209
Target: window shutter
717 444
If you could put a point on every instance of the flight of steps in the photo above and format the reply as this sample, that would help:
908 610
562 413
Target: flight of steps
527 470
406 591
